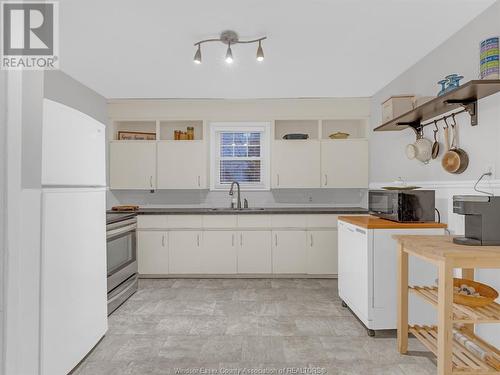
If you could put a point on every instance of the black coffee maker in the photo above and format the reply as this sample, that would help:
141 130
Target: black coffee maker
482 219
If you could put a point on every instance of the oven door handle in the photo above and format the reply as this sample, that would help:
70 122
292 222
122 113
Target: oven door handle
122 230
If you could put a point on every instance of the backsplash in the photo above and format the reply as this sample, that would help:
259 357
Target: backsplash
273 198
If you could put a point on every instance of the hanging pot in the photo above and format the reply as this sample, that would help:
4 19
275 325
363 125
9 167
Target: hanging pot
455 160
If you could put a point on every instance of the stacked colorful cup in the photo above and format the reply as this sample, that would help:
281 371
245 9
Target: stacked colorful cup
489 59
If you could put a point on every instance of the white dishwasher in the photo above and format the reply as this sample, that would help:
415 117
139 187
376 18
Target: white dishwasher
367 276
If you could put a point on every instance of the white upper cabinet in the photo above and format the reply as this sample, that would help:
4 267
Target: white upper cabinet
295 164
182 165
132 165
344 163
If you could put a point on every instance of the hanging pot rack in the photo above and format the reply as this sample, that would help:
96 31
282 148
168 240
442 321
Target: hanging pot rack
460 100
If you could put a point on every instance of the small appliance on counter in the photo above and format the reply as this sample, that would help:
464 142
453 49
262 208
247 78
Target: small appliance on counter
403 205
482 219
121 255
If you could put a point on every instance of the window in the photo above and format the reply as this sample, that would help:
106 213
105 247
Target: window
240 152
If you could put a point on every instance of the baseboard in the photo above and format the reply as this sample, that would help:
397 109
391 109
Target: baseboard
238 276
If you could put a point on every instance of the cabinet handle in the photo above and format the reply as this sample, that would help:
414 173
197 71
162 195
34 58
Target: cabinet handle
241 239
163 241
278 179
312 242
198 240
232 240
276 240
199 181
326 179
151 181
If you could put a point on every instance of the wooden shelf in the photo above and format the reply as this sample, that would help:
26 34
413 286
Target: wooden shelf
461 313
467 94
465 362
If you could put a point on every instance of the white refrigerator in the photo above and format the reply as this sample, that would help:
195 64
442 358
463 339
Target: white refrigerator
73 267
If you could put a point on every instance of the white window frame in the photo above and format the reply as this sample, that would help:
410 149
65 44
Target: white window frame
265 148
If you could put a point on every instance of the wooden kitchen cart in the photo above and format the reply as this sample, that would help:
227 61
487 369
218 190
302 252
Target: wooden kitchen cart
452 356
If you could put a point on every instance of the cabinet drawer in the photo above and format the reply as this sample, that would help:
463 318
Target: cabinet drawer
254 221
152 221
184 221
220 221
288 221
322 221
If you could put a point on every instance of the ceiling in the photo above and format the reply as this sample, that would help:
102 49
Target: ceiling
315 48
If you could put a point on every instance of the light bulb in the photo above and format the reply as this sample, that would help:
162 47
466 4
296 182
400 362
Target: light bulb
260 53
229 55
197 55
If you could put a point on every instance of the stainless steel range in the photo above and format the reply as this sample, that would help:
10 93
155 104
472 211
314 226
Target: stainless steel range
121 258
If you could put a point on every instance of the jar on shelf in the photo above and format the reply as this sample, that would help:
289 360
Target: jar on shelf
183 136
176 135
190 133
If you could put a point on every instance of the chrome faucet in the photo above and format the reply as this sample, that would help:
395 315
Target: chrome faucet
231 193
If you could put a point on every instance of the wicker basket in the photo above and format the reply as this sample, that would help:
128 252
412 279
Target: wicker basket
487 294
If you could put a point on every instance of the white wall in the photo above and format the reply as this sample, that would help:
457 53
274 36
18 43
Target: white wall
459 54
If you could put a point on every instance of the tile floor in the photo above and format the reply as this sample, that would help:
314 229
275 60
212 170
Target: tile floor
192 326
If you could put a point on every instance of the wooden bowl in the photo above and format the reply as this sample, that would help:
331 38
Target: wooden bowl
487 294
339 135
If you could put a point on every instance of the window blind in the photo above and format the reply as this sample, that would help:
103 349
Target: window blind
240 157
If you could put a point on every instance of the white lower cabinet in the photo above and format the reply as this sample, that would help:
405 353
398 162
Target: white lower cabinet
254 251
230 245
184 250
219 252
322 254
289 251
153 252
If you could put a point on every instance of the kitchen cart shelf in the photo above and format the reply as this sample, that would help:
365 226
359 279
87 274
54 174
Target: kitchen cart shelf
465 361
462 313
452 357
464 97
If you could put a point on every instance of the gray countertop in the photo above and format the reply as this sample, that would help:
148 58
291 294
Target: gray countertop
253 210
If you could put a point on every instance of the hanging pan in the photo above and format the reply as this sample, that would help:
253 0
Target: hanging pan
455 160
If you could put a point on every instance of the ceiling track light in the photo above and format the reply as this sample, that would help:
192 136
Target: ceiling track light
229 37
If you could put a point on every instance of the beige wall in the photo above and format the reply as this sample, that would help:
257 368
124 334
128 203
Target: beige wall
229 110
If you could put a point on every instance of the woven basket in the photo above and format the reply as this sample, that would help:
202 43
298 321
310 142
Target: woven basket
487 294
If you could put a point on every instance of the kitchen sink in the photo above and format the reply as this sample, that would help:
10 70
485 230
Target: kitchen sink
233 209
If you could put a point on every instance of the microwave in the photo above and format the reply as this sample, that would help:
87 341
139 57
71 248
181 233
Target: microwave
402 205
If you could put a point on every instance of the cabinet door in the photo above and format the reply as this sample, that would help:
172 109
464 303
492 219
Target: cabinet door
132 165
254 252
295 164
322 255
354 271
289 251
184 250
218 255
182 165
152 252
344 163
